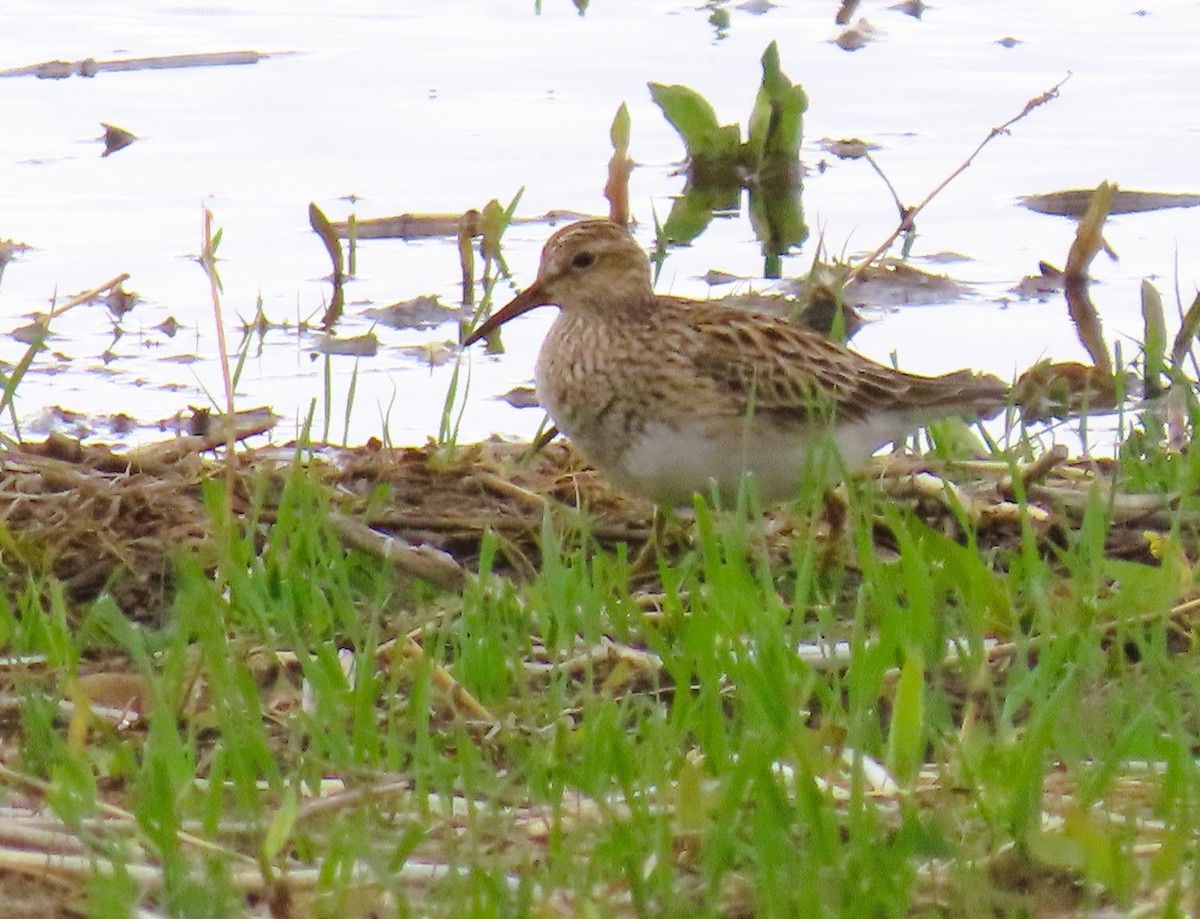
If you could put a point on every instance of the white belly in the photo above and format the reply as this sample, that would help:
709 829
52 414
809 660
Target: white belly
670 464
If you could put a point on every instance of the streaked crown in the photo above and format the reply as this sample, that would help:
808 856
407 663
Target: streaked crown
595 265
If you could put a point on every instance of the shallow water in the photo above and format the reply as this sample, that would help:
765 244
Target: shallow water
439 108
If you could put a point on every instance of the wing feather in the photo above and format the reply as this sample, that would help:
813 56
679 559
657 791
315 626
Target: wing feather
770 365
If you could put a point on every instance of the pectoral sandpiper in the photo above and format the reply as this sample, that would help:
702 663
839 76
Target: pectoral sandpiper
668 396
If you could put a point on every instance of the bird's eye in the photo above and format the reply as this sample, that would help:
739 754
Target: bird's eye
583 260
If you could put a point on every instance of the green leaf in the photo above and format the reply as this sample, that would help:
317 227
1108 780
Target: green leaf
906 735
777 215
112 893
690 114
954 439
1025 776
280 829
1087 843
494 220
693 211
1187 332
1156 338
72 792
777 121
620 130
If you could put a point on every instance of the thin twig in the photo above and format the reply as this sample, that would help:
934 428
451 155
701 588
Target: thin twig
908 215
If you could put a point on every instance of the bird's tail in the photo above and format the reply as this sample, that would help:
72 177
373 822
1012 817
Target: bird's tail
964 392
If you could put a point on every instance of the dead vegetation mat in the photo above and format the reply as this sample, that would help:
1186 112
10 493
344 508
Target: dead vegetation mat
100 521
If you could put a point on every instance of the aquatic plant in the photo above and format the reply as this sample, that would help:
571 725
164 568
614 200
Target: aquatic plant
720 164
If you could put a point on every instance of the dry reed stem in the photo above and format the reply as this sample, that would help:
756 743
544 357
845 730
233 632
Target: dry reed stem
908 215
208 260
118 813
425 562
460 698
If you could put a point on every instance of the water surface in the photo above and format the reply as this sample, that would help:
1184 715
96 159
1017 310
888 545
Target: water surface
442 107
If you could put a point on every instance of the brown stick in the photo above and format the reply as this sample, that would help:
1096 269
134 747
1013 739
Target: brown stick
908 215
89 67
423 562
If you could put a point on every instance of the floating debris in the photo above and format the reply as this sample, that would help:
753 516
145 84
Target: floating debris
119 301
845 12
8 251
89 67
913 8
366 345
35 331
434 353
169 326
115 138
1075 202
55 418
418 313
893 283
1047 282
714 278
856 36
121 423
520 397
850 148
945 257
213 426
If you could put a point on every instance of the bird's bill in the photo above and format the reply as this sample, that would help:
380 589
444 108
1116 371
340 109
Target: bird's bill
530 298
